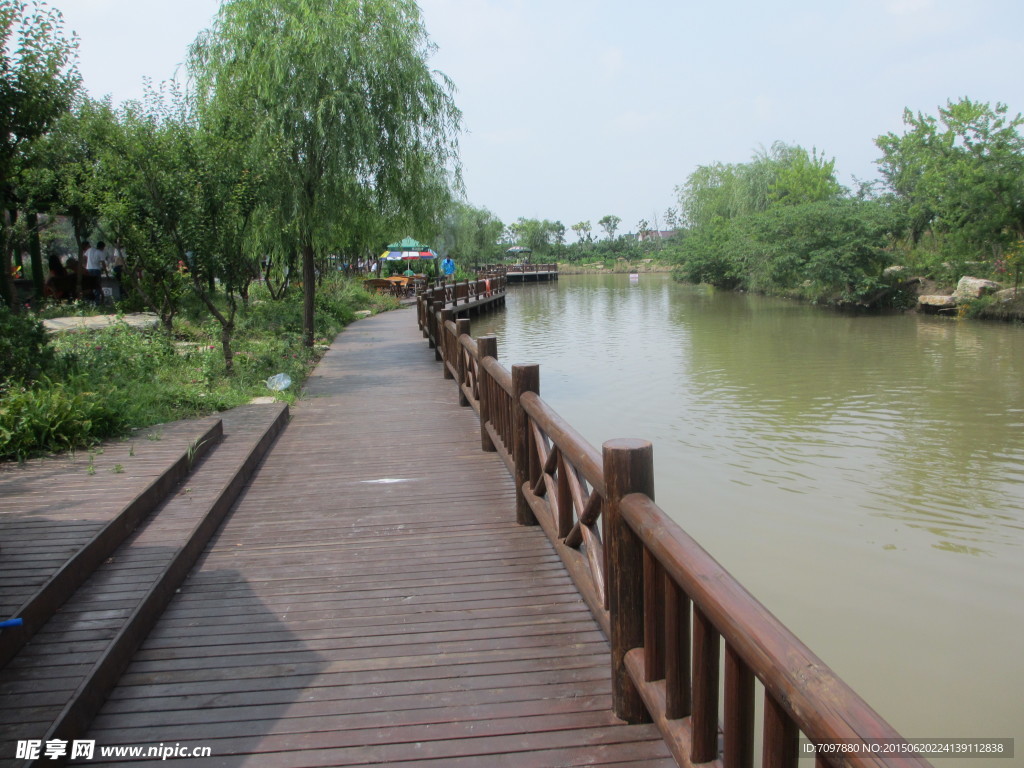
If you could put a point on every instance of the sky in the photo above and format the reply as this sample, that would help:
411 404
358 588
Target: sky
576 109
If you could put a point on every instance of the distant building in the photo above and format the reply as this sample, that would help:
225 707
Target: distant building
657 234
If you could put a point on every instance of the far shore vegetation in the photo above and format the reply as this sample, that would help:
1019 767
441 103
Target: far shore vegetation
306 141
949 203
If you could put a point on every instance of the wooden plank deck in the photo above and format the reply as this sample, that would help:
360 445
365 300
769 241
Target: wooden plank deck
372 601
56 680
51 508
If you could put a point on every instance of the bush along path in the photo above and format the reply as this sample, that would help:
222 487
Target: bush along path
72 389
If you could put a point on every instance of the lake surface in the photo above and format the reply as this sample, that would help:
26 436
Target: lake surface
862 476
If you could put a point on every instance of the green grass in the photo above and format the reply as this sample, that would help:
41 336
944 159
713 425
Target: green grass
100 384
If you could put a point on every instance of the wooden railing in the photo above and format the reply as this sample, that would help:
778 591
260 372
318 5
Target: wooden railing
528 269
666 605
460 298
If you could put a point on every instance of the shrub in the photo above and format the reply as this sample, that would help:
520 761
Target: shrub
54 416
708 255
25 353
116 353
147 378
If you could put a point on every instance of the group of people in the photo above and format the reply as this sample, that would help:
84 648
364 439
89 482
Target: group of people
99 262
447 269
95 262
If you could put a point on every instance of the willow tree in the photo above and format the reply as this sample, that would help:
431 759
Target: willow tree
338 96
784 174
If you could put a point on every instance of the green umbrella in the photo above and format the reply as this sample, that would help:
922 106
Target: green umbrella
408 244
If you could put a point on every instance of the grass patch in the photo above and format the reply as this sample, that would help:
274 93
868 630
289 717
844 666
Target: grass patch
77 388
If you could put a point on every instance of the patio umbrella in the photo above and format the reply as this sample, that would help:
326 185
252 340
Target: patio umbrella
519 251
407 255
407 249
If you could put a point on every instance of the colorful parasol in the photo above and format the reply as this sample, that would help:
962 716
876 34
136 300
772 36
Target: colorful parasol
407 249
406 255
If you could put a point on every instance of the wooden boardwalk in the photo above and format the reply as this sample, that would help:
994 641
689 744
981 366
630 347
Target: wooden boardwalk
371 600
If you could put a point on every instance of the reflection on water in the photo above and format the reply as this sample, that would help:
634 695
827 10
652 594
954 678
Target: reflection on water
862 475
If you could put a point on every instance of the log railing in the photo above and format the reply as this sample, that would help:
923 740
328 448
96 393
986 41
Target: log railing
503 269
530 269
460 297
670 611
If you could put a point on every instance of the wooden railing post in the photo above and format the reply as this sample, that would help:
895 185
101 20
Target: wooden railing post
443 341
525 378
565 502
654 618
704 718
438 324
628 468
486 346
428 312
738 724
781 739
461 328
677 652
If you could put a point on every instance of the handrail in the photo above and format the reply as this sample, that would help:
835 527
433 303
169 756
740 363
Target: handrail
666 605
801 691
527 268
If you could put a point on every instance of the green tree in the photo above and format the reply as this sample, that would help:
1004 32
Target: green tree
671 218
805 178
783 174
708 194
181 197
144 196
832 250
224 187
63 168
558 233
711 254
471 235
960 173
536 234
37 81
583 231
609 224
339 98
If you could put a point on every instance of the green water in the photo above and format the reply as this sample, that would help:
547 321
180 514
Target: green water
863 476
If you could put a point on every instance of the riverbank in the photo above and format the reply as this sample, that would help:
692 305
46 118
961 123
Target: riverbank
610 267
971 298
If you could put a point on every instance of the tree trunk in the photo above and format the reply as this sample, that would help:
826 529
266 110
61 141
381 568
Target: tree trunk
226 332
308 292
227 323
7 291
36 252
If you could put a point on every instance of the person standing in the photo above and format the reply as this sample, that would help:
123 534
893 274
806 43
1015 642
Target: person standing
448 266
117 263
95 263
96 259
